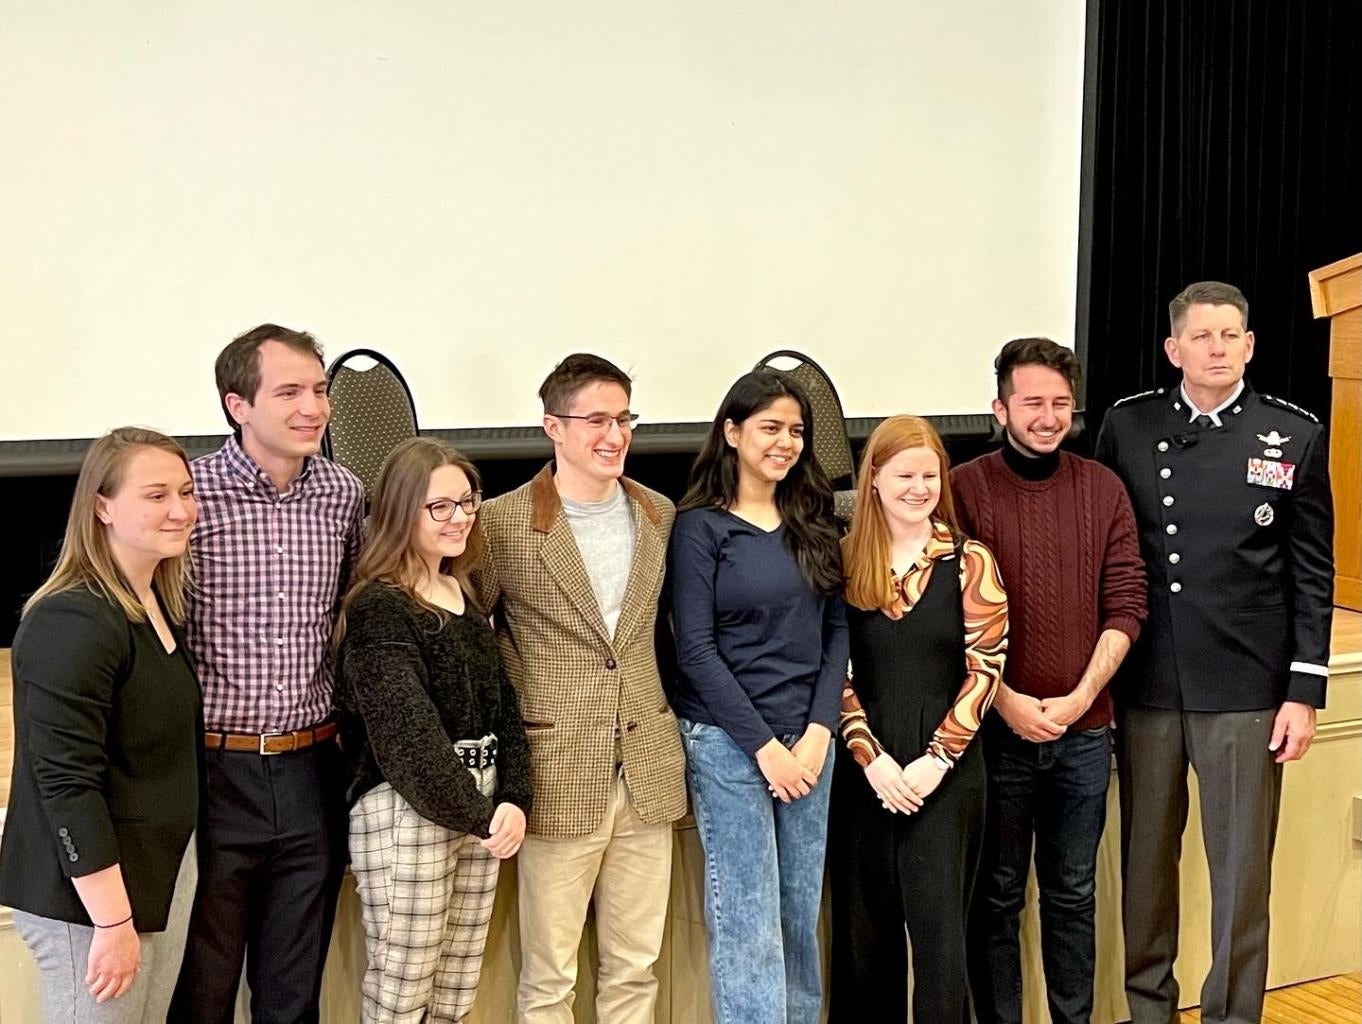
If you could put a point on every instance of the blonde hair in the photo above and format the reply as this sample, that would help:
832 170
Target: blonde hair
866 554
86 560
399 498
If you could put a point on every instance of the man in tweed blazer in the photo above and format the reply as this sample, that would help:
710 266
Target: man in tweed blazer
573 574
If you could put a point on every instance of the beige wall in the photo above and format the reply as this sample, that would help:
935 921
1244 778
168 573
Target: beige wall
1316 897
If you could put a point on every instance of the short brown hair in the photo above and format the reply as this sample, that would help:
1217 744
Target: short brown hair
1035 352
575 372
1205 293
238 365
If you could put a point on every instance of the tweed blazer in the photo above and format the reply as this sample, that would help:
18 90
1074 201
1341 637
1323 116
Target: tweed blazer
575 681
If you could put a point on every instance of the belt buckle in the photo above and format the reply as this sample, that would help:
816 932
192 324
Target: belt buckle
266 736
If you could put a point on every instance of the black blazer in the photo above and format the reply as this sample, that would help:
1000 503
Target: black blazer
108 739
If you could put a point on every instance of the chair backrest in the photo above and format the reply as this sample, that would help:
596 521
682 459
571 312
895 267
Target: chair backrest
371 413
831 442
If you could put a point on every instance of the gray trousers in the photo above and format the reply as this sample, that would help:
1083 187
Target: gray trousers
1241 789
62 954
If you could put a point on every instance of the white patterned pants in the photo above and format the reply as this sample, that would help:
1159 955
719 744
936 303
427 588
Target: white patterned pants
426 898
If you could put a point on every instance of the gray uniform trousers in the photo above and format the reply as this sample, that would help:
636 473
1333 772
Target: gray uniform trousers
1240 786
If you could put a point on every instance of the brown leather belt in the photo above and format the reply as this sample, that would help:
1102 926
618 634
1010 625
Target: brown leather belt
267 743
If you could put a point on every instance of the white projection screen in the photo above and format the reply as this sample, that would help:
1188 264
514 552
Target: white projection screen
476 189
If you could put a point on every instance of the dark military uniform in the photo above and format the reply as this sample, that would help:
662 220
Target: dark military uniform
1236 529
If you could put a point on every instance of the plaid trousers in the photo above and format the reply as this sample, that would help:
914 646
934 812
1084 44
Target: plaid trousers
426 898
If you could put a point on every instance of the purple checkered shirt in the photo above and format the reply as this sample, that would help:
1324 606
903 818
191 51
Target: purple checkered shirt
269 570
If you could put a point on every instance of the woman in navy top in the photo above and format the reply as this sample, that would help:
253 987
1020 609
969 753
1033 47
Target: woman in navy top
761 634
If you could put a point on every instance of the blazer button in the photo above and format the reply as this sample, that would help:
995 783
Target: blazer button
610 664
63 832
73 857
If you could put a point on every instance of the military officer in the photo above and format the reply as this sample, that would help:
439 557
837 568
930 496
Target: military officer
1231 491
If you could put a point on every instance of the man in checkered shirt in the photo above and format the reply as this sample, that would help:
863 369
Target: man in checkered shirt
278 531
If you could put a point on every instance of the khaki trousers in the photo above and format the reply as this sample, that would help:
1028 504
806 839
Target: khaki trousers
626 866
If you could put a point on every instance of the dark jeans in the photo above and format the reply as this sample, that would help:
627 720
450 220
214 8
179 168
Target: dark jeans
1058 793
272 850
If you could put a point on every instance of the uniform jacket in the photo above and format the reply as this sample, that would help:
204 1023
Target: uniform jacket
1236 529
574 680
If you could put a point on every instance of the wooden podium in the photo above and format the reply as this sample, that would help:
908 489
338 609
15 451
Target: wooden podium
1336 292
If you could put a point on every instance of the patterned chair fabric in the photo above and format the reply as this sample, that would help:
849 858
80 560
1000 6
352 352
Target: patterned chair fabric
371 412
831 441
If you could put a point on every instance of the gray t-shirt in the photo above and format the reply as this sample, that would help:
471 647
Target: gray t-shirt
604 531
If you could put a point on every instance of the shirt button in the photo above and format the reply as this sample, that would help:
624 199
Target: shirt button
610 664
73 857
1167 500
63 832
281 595
1171 529
1163 446
1165 472
1174 558
280 549
1175 587
279 641
279 687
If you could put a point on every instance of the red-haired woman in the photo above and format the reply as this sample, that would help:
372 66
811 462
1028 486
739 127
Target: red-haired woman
928 621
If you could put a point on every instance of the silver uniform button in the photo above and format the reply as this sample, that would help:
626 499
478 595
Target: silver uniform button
1163 446
1165 472
1175 587
1174 558
1171 529
1167 500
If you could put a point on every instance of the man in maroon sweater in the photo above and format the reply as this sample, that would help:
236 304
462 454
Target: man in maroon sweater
1065 538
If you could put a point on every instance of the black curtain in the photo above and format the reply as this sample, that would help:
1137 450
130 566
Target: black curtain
1223 141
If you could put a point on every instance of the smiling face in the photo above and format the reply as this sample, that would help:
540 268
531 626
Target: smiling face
286 417
769 442
909 486
592 454
1212 349
149 517
433 541
1039 409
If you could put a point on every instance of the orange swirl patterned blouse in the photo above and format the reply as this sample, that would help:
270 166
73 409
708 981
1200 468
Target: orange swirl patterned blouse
984 603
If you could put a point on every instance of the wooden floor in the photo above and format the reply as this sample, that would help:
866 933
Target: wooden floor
1330 1001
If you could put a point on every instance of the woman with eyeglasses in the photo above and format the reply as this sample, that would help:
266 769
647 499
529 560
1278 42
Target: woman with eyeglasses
431 726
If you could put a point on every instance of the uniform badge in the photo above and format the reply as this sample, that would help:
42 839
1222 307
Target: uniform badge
1262 515
1274 442
1269 473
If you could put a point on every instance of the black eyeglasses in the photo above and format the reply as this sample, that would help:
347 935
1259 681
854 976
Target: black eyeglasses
442 511
602 421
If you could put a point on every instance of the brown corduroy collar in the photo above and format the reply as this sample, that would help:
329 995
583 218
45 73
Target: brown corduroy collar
545 503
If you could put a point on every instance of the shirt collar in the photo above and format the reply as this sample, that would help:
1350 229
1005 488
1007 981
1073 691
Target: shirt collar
1214 414
940 544
245 467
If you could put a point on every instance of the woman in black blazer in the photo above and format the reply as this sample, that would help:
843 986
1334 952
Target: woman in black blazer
96 858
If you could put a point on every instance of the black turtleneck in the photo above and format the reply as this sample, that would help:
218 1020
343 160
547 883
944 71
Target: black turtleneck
1032 467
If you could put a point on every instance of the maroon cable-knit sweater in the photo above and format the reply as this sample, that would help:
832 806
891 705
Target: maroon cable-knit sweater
1064 534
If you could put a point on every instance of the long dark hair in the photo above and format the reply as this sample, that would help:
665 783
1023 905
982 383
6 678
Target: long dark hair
804 497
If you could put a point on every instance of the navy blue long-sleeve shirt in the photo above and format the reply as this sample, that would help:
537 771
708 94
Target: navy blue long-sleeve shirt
761 652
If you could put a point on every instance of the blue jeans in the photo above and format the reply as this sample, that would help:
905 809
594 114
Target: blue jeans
763 882
1057 792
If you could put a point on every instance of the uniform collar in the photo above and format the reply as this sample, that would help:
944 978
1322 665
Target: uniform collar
1184 404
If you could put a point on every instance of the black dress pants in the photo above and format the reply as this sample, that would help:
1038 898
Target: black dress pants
272 852
887 870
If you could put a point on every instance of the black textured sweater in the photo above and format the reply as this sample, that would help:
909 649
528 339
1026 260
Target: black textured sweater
407 689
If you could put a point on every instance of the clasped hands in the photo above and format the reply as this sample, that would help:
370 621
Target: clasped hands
903 790
792 772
